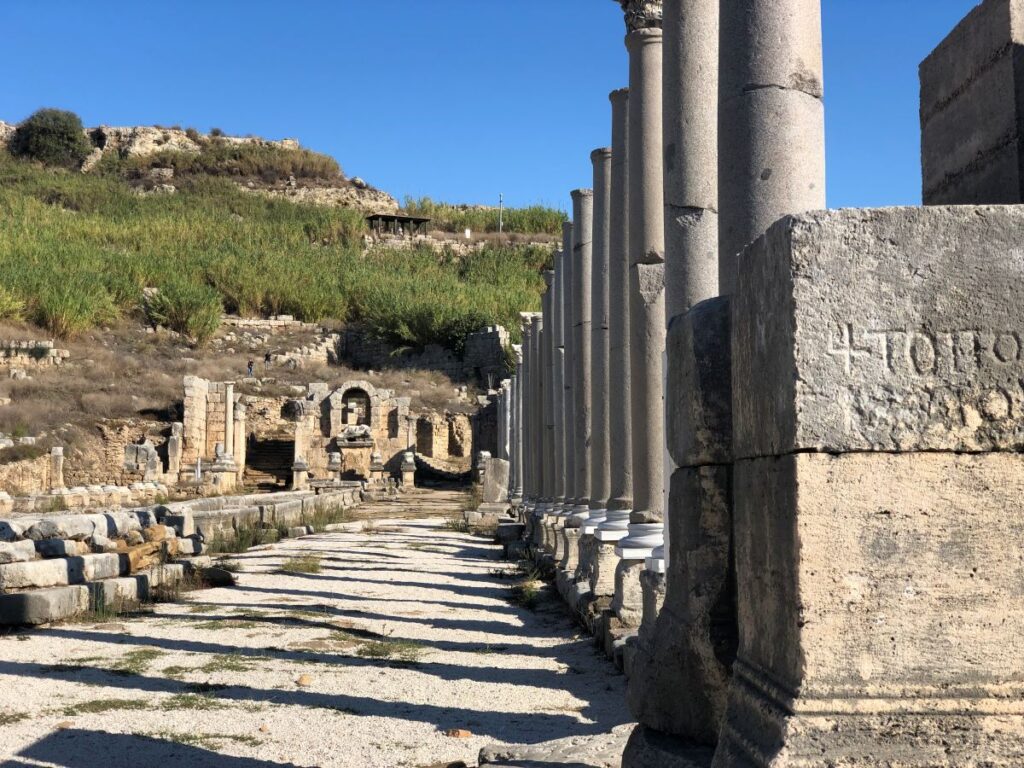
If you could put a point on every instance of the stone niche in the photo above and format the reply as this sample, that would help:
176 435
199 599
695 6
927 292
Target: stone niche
354 420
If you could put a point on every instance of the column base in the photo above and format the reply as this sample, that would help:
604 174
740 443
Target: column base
627 603
648 748
594 519
642 540
915 727
656 562
615 527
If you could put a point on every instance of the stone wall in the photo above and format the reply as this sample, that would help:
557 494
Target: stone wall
25 477
971 98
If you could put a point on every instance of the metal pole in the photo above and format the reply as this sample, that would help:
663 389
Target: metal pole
501 212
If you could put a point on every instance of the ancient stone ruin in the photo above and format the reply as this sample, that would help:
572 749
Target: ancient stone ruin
769 455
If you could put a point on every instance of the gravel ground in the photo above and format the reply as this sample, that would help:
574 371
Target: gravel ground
400 629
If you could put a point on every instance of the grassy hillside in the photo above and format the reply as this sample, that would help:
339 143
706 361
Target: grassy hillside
76 251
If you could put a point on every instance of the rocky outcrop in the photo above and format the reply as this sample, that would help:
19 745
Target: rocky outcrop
345 195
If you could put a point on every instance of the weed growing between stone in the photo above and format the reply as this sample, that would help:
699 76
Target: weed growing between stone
303 564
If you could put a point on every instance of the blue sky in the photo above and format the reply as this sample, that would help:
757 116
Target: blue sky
456 99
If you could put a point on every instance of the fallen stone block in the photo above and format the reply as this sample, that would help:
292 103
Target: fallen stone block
77 527
183 522
12 530
93 567
297 531
195 564
17 551
100 543
43 605
164 575
508 532
879 330
118 593
38 573
648 748
61 548
157 532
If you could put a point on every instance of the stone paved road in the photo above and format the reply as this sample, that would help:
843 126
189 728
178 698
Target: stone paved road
403 633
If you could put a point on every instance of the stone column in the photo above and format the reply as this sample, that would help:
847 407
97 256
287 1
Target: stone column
614 528
619 385
517 427
554 364
544 386
600 448
565 315
56 468
537 323
600 452
241 449
646 300
690 139
583 225
229 419
582 253
771 120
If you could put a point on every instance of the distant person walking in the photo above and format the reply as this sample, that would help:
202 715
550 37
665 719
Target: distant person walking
252 364
266 362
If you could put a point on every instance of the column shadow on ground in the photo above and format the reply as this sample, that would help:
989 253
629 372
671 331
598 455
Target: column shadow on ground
75 748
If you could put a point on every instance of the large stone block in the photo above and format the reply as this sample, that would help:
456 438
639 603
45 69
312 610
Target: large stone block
496 481
698 392
896 329
880 609
17 551
38 573
972 92
76 527
43 605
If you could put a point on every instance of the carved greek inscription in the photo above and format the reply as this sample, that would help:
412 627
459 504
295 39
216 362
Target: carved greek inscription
925 353
962 382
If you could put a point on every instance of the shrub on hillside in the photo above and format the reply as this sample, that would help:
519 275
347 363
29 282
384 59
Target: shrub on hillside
53 137
223 158
191 309
68 307
11 306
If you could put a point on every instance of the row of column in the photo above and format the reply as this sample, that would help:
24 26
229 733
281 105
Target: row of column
707 151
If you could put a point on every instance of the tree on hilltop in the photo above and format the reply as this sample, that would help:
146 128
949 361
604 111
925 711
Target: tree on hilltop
53 137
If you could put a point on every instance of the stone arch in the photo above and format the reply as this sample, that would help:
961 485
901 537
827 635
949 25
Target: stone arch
356 397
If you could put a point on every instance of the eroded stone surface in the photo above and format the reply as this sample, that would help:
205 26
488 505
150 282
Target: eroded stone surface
880 611
879 330
698 391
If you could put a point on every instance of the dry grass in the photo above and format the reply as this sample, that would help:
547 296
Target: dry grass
123 372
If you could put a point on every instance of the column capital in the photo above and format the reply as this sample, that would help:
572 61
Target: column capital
642 14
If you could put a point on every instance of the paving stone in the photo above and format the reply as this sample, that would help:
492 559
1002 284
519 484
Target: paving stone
596 751
43 605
